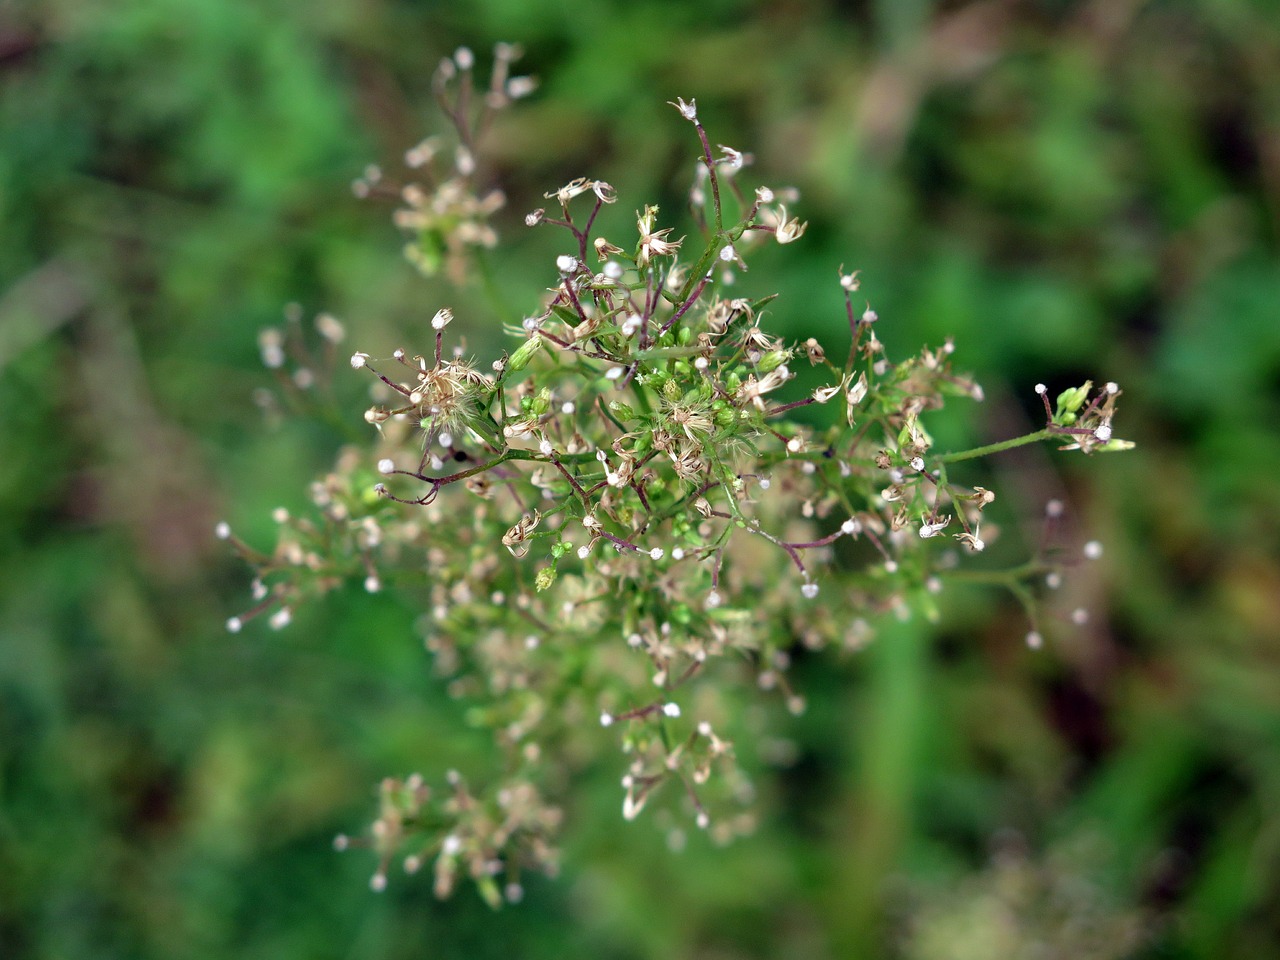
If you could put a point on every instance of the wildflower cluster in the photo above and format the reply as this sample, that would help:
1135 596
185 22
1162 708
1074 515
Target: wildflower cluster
620 530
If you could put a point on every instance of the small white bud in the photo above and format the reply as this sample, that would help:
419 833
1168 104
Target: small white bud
727 253
1079 616
703 821
544 447
613 373
851 526
657 553
446 439
281 618
378 882
358 360
386 466
584 552
677 553
1093 550
613 270
372 584
234 625
451 845
222 531
809 590
1103 432
1041 389
519 87
869 316
1034 640
341 842
568 407
917 464
606 719
671 709
1112 387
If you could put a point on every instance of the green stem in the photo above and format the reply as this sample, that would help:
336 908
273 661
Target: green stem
990 448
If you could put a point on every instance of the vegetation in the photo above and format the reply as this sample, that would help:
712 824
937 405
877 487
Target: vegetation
1070 193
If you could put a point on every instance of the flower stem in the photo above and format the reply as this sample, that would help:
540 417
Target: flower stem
996 447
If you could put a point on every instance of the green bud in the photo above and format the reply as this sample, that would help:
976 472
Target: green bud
621 410
671 391
560 548
733 381
1070 401
684 336
526 352
724 417
682 368
542 402
773 359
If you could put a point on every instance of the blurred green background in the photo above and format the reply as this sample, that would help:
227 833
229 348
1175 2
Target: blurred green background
1070 189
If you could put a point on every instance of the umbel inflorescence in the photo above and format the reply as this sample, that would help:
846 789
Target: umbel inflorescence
622 529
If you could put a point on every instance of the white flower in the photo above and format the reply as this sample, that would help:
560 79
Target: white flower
928 530
566 264
788 229
656 553
441 319
687 110
358 360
